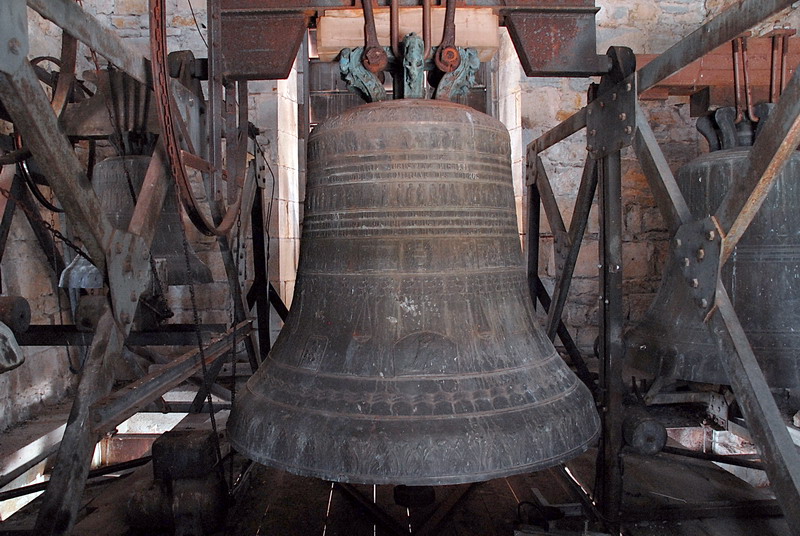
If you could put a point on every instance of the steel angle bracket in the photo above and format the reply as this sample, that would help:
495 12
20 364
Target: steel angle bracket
611 119
696 250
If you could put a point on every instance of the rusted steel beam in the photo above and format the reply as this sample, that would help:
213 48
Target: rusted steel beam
735 20
779 139
715 69
577 228
669 199
562 131
609 462
759 408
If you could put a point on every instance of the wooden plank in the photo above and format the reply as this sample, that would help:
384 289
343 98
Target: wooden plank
476 27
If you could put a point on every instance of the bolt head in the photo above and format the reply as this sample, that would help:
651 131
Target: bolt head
686 261
694 283
623 116
711 235
701 254
629 130
704 303
678 242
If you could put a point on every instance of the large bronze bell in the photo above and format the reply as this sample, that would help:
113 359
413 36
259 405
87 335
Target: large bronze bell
110 181
411 354
762 277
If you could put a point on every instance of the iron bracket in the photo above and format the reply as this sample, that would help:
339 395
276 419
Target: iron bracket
611 119
358 78
458 82
696 250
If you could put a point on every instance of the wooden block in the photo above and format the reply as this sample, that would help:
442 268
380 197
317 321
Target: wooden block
476 27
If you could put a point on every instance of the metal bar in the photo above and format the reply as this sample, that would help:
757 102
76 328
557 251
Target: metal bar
669 199
173 335
549 202
118 406
716 509
558 133
758 406
261 279
375 512
94 473
735 20
779 138
277 303
566 339
10 206
738 461
588 506
577 228
72 18
62 499
32 114
208 381
46 241
609 471
534 213
215 105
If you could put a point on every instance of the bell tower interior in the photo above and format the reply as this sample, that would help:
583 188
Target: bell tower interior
428 267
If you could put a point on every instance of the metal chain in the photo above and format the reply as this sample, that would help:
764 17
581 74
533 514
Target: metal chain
38 217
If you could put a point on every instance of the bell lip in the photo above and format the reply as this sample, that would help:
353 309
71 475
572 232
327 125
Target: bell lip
421 481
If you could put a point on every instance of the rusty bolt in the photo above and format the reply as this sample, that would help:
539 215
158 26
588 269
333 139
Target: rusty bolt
133 296
593 132
701 254
711 235
686 261
694 283
623 116
628 129
127 266
589 148
118 248
126 318
14 46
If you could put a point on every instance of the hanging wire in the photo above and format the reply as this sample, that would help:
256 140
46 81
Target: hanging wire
196 25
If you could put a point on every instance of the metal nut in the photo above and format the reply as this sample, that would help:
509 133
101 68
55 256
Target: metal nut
711 235
701 254
623 116
628 129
